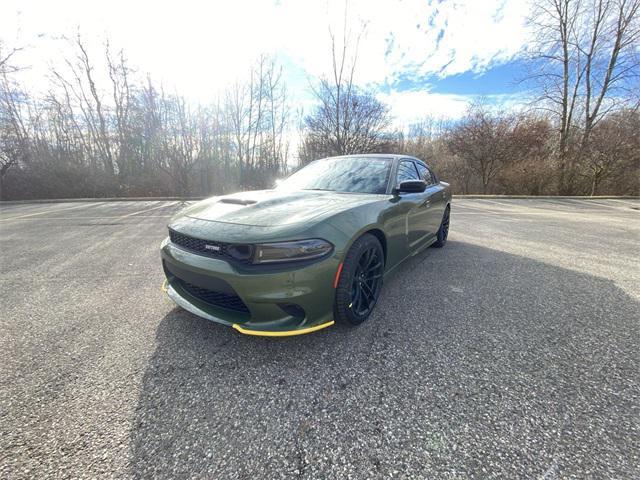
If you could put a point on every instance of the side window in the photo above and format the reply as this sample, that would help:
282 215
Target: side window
434 176
407 171
425 174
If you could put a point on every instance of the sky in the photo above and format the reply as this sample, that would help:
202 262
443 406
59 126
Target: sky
424 58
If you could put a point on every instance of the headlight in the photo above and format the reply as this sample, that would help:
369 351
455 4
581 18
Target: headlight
291 251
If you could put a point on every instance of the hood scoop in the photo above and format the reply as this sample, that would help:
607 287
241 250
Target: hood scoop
237 201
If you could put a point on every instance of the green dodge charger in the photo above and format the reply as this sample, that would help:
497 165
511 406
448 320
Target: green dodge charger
312 251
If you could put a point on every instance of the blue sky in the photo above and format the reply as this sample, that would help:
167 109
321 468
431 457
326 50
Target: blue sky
425 58
498 79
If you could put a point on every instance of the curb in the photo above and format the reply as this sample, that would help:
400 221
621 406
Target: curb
552 197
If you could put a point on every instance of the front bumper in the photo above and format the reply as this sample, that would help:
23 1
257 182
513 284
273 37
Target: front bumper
262 290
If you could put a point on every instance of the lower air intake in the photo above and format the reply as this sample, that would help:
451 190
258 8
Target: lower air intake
217 299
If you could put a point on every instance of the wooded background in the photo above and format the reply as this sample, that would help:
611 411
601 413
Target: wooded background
101 130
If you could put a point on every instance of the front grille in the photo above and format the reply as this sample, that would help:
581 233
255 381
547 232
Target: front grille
203 247
217 299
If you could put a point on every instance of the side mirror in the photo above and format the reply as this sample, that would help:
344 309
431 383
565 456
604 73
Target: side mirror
411 186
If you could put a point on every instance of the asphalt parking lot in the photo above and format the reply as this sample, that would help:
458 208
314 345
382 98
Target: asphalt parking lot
511 353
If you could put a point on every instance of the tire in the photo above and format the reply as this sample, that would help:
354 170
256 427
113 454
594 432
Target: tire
360 281
443 231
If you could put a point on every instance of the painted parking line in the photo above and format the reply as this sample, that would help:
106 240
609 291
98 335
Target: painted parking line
466 205
606 205
84 205
523 208
628 203
20 209
164 205
548 212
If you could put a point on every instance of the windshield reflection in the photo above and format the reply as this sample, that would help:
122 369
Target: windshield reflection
350 174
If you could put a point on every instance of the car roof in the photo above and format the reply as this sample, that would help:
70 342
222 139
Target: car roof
395 156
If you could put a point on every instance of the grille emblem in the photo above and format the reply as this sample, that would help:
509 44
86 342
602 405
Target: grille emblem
215 248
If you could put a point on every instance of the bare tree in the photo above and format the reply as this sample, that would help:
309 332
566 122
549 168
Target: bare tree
6 54
82 93
585 64
119 73
180 145
480 139
614 149
347 119
14 137
364 126
13 134
526 167
278 111
259 114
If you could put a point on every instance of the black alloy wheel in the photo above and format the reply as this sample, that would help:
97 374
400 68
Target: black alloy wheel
443 231
360 281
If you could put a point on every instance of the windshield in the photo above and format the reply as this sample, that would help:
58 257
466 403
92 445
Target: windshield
350 174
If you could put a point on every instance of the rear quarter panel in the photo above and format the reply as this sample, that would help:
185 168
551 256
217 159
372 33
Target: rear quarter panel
441 198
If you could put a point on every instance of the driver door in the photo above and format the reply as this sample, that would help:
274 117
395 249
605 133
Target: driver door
414 206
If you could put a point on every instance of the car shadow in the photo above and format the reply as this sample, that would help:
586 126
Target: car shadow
475 362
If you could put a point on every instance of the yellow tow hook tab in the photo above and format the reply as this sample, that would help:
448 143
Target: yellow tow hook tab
165 289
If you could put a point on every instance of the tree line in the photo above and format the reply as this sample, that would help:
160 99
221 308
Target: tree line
100 130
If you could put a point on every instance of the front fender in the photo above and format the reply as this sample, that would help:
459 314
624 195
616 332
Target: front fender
385 217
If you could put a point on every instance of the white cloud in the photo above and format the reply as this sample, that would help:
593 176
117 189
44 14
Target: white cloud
412 106
411 37
199 47
474 35
215 40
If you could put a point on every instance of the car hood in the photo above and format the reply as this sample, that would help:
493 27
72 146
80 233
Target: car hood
267 208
